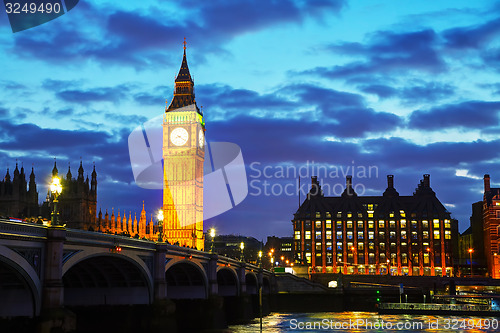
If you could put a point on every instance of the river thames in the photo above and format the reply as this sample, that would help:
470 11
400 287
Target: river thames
367 322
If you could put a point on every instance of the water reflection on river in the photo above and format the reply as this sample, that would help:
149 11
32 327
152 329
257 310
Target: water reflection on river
368 322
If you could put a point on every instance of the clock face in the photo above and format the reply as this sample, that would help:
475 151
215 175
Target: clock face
201 139
179 136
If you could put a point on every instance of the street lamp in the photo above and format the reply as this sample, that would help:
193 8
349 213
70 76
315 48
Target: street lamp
470 256
388 266
212 236
242 247
160 225
260 259
56 189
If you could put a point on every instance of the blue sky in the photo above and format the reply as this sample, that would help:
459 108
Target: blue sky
408 87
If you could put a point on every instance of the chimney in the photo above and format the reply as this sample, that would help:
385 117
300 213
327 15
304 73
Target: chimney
390 181
486 183
427 182
348 181
314 180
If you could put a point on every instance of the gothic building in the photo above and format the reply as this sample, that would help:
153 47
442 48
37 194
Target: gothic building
183 156
16 200
387 234
78 199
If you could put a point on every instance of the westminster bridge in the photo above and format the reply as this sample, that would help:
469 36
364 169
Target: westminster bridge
44 268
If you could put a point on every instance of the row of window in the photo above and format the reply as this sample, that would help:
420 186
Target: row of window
371 224
371 235
426 259
369 208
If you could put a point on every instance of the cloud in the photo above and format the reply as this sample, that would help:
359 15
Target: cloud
140 38
472 37
103 94
470 114
387 51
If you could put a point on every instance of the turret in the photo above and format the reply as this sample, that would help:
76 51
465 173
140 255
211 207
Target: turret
54 169
93 183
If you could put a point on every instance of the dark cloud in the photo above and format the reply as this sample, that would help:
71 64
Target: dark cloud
387 51
470 114
472 37
103 94
411 93
140 38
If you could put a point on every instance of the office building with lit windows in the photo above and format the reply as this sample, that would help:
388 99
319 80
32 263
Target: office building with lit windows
491 227
387 234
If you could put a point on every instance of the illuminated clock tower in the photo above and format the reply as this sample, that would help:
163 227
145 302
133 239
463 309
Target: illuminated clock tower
183 157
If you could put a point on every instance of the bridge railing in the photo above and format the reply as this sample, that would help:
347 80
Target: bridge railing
22 230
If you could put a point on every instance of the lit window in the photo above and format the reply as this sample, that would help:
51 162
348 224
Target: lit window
328 214
349 224
382 246
392 234
414 224
447 224
339 246
414 235
349 214
402 213
425 234
360 225
403 244
318 225
371 235
402 224
360 234
403 234
435 223
308 257
349 235
361 246
370 224
318 246
328 234
436 234
447 234
382 257
404 259
360 214
297 234
339 214
318 234
392 224
328 224
381 224
308 224
339 234
426 258
318 214
329 246
425 224
370 214
370 206
381 234
308 235
391 214
371 246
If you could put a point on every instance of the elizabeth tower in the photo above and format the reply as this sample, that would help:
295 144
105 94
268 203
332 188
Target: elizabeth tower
183 157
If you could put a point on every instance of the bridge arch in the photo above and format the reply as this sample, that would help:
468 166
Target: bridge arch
227 281
266 285
186 280
25 298
104 278
252 283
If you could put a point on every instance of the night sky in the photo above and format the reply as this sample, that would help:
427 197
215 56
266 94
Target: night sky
395 87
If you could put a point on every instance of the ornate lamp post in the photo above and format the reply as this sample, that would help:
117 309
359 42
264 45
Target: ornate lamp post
242 247
55 189
260 259
212 236
160 225
470 258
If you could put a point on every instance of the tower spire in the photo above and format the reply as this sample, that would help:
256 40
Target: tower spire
184 86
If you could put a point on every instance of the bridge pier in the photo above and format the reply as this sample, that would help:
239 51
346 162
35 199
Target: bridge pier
160 284
213 286
53 315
